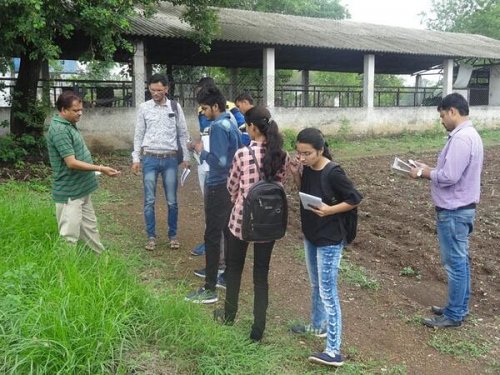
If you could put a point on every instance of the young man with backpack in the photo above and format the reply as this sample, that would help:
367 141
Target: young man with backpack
224 140
325 234
160 131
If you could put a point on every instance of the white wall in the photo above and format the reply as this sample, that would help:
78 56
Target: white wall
113 128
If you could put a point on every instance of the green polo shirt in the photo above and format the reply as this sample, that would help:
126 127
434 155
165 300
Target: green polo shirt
64 139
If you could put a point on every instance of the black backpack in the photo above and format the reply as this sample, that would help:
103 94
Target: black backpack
180 153
349 219
265 210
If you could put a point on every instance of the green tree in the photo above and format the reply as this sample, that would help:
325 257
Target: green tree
309 8
465 16
35 29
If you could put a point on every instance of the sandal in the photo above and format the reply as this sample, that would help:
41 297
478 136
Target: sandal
174 244
151 244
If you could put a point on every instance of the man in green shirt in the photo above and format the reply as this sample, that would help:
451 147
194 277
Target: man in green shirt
74 174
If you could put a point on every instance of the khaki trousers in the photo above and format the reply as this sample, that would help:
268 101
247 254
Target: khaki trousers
76 221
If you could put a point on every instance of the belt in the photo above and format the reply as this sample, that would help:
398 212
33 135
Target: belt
466 207
161 155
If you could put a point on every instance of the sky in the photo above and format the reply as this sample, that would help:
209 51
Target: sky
402 13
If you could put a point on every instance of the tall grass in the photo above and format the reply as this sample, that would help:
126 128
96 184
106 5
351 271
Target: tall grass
64 310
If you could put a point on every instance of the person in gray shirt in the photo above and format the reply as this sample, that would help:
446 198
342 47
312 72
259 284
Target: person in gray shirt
160 122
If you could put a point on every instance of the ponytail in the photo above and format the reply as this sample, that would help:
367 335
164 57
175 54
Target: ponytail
275 156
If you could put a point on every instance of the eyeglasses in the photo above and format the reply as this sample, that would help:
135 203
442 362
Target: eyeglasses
305 154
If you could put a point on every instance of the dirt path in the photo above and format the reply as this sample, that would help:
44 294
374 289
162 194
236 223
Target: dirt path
396 230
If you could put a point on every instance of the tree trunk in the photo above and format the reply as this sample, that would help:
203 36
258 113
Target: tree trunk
23 119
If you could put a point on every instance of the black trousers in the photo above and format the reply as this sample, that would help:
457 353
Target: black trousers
217 210
235 261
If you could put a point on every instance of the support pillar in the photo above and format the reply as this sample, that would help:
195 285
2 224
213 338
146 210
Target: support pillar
268 77
418 86
139 76
305 88
233 83
494 96
447 77
368 80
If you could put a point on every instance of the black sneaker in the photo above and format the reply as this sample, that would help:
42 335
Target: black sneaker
221 281
302 329
202 295
203 272
325 359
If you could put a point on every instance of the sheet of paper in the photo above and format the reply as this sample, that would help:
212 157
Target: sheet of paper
184 174
401 165
309 201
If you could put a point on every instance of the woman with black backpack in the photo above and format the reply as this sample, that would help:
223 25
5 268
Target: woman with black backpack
266 148
324 237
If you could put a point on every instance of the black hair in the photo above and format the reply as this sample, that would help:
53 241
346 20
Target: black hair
275 156
66 99
456 101
155 78
211 96
315 138
244 96
206 82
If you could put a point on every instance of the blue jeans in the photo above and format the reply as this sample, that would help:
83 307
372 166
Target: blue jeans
453 229
323 265
167 168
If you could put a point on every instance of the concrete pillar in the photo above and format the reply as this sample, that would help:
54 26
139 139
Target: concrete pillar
305 88
233 83
494 97
418 87
447 77
368 80
139 74
268 77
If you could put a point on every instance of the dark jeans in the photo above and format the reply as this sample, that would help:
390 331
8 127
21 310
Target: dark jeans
217 210
235 261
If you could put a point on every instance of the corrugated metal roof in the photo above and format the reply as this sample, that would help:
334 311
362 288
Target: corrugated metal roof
270 29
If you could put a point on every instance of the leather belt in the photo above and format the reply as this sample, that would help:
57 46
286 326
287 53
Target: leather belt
466 207
160 155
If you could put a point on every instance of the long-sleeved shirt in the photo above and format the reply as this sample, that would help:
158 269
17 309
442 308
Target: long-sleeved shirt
156 129
456 180
224 140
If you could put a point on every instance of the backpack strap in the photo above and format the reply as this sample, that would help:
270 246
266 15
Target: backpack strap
327 191
325 182
261 175
173 104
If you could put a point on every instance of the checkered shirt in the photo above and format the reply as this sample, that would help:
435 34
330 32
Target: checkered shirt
242 176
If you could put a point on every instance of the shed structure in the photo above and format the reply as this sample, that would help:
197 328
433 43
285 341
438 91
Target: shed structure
276 41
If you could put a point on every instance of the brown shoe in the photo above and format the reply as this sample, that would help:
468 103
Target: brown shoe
151 244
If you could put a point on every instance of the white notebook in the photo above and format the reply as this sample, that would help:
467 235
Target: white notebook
309 201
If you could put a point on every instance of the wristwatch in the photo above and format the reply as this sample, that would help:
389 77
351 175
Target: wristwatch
420 172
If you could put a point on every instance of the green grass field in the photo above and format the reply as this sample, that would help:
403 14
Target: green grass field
64 310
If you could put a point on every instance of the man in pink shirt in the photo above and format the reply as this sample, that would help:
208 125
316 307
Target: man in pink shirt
455 189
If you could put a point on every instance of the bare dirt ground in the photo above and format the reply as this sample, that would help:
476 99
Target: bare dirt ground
396 231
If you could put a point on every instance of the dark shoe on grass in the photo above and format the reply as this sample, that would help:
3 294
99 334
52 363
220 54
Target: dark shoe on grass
436 310
325 359
441 322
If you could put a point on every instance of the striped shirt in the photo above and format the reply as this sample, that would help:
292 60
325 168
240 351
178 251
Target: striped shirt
156 129
242 176
64 139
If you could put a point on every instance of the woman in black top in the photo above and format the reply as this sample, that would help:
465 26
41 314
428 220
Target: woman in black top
324 238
